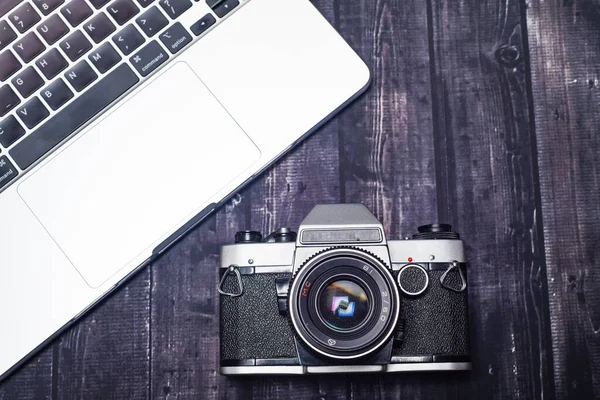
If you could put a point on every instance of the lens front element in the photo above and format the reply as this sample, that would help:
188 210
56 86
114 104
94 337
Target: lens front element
343 305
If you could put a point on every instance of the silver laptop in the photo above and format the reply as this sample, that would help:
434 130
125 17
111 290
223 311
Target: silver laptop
123 123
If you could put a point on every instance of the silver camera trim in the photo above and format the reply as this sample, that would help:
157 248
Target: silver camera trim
344 369
328 254
426 251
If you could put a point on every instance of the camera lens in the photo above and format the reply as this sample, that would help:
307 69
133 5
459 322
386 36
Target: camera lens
344 305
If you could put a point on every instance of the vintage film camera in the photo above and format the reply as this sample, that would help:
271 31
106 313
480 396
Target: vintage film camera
339 298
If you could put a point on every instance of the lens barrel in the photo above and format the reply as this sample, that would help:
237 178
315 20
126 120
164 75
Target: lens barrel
344 303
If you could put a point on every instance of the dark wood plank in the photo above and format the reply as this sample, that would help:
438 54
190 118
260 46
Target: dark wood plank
486 181
106 354
185 336
388 154
564 38
32 381
387 158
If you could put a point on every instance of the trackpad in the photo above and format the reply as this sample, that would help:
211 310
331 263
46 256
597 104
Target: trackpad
137 174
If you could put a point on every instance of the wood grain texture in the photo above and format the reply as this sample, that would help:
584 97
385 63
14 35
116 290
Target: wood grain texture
184 330
564 38
387 156
106 355
33 381
387 159
486 187
481 113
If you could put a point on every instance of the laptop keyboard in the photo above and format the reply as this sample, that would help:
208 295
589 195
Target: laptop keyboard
64 62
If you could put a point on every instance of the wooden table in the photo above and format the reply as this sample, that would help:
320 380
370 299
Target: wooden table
482 113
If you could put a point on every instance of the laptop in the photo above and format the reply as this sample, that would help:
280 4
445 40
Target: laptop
124 123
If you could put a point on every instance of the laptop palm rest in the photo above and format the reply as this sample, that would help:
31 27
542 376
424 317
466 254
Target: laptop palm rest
128 166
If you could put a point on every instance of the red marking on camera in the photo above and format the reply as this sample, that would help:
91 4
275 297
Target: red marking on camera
305 289
409 259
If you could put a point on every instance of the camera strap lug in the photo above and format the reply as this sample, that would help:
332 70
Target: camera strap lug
232 270
463 280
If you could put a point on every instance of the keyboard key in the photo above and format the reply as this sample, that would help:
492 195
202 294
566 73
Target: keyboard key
105 57
74 115
175 38
10 131
81 76
75 45
8 100
7 5
47 6
56 94
7 35
29 46
203 24
51 63
52 29
226 7
98 3
99 27
28 81
149 58
7 171
213 3
8 66
33 112
128 39
152 21
123 10
174 8
144 3
24 17
76 11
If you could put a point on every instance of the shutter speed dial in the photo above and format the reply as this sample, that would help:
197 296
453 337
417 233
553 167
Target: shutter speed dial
248 237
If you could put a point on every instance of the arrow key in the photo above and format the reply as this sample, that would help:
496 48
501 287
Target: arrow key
203 24
226 7
128 39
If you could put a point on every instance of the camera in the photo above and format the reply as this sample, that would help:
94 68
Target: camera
338 297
